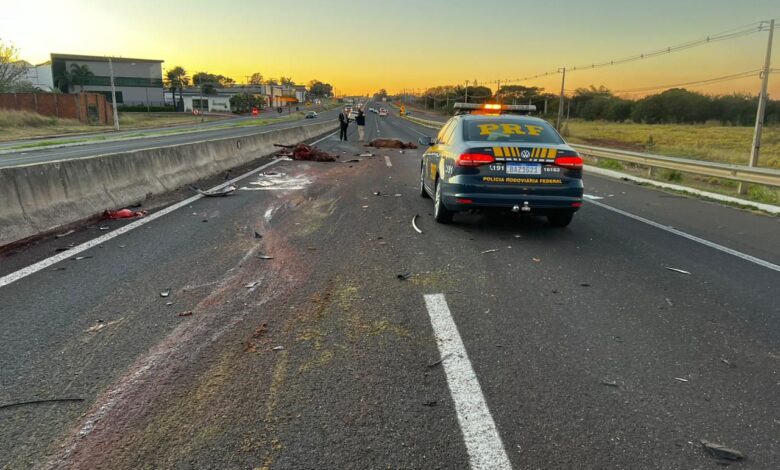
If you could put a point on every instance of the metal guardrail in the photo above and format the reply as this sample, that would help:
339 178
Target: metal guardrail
741 173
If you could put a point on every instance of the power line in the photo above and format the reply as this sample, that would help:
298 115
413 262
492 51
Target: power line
697 82
733 33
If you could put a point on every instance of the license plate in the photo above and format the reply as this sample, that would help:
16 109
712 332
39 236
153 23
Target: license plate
523 169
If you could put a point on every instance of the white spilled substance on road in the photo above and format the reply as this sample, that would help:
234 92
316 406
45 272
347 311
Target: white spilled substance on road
483 443
277 182
388 162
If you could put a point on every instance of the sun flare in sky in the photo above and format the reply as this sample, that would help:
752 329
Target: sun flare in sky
362 46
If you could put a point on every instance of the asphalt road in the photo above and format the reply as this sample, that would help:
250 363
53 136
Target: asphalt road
559 348
205 131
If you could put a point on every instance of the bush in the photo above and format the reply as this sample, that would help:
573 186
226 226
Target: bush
673 176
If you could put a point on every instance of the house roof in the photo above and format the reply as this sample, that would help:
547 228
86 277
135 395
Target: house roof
100 58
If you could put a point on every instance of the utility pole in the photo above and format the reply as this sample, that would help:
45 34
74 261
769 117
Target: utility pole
113 94
762 99
545 106
560 102
466 99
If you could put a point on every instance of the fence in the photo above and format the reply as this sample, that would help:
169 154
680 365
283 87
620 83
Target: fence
86 107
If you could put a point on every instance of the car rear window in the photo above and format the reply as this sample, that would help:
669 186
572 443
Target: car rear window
510 130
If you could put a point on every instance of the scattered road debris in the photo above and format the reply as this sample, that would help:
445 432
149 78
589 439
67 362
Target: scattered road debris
103 228
353 160
278 348
257 235
123 214
404 276
65 234
265 257
669 302
727 362
364 154
304 152
136 205
61 268
226 191
681 271
681 379
185 314
99 325
490 251
414 223
720 451
61 249
584 284
536 260
251 284
166 292
517 235
79 258
168 304
430 403
35 402
610 383
434 364
391 144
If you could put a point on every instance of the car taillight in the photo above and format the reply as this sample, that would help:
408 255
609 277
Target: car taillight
475 159
573 162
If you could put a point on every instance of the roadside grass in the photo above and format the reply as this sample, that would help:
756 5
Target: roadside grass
709 142
19 125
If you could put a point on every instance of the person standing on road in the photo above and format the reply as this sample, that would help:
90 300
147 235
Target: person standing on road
360 120
343 125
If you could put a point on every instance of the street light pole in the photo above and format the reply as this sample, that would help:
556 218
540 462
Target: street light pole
762 98
113 94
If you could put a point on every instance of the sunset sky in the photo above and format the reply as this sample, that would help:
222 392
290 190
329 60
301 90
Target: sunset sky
361 46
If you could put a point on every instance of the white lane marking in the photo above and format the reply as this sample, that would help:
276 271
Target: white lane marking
592 197
43 264
694 238
483 444
388 162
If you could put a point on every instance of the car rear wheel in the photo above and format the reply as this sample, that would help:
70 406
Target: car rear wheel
423 192
440 213
560 220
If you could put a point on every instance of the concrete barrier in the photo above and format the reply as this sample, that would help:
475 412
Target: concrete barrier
36 199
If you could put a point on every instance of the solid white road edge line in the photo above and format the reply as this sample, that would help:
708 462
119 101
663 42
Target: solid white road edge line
694 238
388 162
483 444
43 264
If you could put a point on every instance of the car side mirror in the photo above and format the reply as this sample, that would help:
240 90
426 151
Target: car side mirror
425 140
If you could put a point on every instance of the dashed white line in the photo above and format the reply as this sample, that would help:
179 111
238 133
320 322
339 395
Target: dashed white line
483 444
43 264
694 238
388 162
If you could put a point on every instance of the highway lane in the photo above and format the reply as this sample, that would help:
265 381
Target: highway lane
42 155
587 352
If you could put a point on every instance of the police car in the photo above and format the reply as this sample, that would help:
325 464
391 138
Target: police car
492 156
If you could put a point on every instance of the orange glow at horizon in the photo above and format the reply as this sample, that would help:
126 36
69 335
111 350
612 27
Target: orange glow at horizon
360 47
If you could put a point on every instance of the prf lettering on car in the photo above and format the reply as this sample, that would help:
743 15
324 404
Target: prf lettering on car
510 129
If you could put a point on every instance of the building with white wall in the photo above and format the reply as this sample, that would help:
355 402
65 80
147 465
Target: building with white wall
137 81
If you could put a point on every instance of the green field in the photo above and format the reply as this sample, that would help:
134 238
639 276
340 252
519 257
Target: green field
704 142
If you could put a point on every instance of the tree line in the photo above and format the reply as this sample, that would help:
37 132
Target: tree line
672 106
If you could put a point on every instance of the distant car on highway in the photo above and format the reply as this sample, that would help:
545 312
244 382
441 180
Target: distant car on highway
487 157
311 115
382 112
